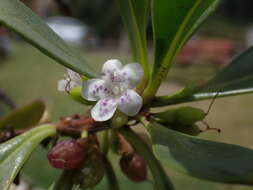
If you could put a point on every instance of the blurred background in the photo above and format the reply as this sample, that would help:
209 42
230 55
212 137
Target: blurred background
95 29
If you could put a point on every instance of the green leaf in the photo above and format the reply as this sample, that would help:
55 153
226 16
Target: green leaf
47 174
17 17
14 153
201 158
235 79
24 117
174 22
135 14
161 180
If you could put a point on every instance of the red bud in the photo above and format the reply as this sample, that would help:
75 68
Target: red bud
134 167
67 154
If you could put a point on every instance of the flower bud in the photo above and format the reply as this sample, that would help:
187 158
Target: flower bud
67 154
134 167
119 120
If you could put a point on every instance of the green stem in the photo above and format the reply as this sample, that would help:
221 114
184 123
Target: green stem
110 174
66 181
137 37
160 178
143 58
170 100
103 138
176 45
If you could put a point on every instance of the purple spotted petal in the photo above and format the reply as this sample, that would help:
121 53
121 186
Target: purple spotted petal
130 103
95 89
132 73
104 109
111 66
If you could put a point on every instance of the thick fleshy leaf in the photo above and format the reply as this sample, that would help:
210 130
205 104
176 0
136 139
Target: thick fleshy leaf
135 16
17 17
235 79
161 180
174 22
24 117
14 153
201 158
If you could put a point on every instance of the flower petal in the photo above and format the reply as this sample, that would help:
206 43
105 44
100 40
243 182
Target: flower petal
132 73
111 66
104 109
74 77
95 89
130 103
61 85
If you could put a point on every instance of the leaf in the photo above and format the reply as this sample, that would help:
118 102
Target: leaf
135 14
161 180
14 153
201 158
24 117
184 94
47 174
174 22
17 17
235 79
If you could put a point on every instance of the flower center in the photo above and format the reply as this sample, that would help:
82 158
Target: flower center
118 90
116 82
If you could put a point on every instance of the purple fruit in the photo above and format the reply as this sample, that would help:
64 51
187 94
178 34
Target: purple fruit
134 167
67 154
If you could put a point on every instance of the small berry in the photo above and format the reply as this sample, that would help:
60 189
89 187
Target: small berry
67 154
134 167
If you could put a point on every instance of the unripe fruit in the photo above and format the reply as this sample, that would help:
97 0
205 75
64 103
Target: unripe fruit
185 115
187 129
67 154
119 120
134 167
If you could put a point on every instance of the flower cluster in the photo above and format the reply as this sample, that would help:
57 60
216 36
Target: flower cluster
115 89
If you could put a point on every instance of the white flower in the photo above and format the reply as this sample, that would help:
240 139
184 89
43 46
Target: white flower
71 80
114 90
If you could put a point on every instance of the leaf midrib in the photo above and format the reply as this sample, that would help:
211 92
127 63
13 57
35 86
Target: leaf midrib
235 81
